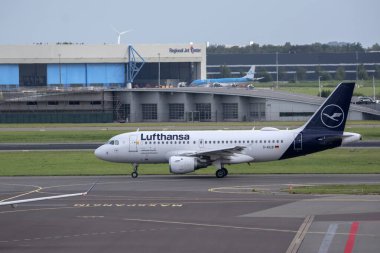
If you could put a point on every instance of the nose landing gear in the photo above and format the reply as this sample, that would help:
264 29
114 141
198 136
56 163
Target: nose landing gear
135 174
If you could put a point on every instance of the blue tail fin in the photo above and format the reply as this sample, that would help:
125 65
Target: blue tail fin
332 114
325 128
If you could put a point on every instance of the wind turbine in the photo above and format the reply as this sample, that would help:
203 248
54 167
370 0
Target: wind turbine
119 34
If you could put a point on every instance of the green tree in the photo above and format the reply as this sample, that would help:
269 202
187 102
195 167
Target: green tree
225 71
362 73
325 76
266 76
318 71
340 73
301 73
325 93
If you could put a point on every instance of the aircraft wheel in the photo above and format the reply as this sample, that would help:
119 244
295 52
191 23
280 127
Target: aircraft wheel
134 174
220 173
225 171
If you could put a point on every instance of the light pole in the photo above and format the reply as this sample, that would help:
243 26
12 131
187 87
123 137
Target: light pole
277 68
59 66
374 88
319 86
159 70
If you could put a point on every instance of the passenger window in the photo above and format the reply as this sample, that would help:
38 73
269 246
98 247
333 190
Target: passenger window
239 141
112 142
214 142
194 142
282 141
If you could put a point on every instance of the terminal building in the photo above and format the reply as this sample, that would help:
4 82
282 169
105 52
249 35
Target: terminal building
68 65
90 83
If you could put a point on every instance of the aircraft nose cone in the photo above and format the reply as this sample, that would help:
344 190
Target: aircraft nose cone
100 153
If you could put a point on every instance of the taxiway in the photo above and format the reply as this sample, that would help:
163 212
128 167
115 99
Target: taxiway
188 214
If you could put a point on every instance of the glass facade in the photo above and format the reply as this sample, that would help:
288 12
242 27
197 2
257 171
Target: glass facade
230 111
204 110
149 112
176 111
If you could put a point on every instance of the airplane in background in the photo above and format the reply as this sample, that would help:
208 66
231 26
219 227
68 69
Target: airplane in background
225 82
187 151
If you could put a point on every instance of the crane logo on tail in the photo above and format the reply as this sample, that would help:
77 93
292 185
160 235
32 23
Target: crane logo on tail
332 116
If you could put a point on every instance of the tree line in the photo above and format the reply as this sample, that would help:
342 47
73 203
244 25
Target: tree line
254 48
301 72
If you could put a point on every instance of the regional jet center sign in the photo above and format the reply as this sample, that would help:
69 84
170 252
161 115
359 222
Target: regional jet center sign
189 50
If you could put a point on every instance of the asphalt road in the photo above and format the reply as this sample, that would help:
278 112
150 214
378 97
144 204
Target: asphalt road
188 214
92 146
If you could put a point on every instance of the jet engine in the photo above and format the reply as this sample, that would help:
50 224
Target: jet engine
185 164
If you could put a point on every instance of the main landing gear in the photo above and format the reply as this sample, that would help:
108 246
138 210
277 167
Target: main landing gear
220 173
135 173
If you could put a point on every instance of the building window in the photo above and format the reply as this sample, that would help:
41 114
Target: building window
96 102
296 114
204 110
149 111
230 111
53 103
74 102
257 111
31 103
176 111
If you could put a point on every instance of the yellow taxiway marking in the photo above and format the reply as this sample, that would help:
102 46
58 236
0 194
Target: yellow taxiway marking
25 193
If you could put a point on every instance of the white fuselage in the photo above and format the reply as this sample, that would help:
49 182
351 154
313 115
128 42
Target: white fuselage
158 147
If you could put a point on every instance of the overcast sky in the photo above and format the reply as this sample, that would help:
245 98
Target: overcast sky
175 21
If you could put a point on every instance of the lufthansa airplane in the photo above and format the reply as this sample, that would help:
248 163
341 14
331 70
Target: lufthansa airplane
187 151
224 82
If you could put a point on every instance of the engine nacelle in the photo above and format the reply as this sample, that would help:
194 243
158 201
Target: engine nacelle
185 164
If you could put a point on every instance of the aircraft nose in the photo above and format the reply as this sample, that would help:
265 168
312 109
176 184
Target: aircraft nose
100 153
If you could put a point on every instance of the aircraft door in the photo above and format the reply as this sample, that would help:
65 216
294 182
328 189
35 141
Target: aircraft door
201 143
133 143
298 142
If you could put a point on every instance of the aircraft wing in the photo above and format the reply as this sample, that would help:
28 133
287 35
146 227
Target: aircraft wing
216 152
14 202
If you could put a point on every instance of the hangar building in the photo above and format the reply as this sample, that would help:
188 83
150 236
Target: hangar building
72 65
87 83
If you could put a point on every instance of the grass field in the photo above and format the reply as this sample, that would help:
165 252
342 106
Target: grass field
364 88
368 133
360 189
161 125
85 163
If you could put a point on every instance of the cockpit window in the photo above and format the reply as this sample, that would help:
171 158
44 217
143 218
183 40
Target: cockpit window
113 142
